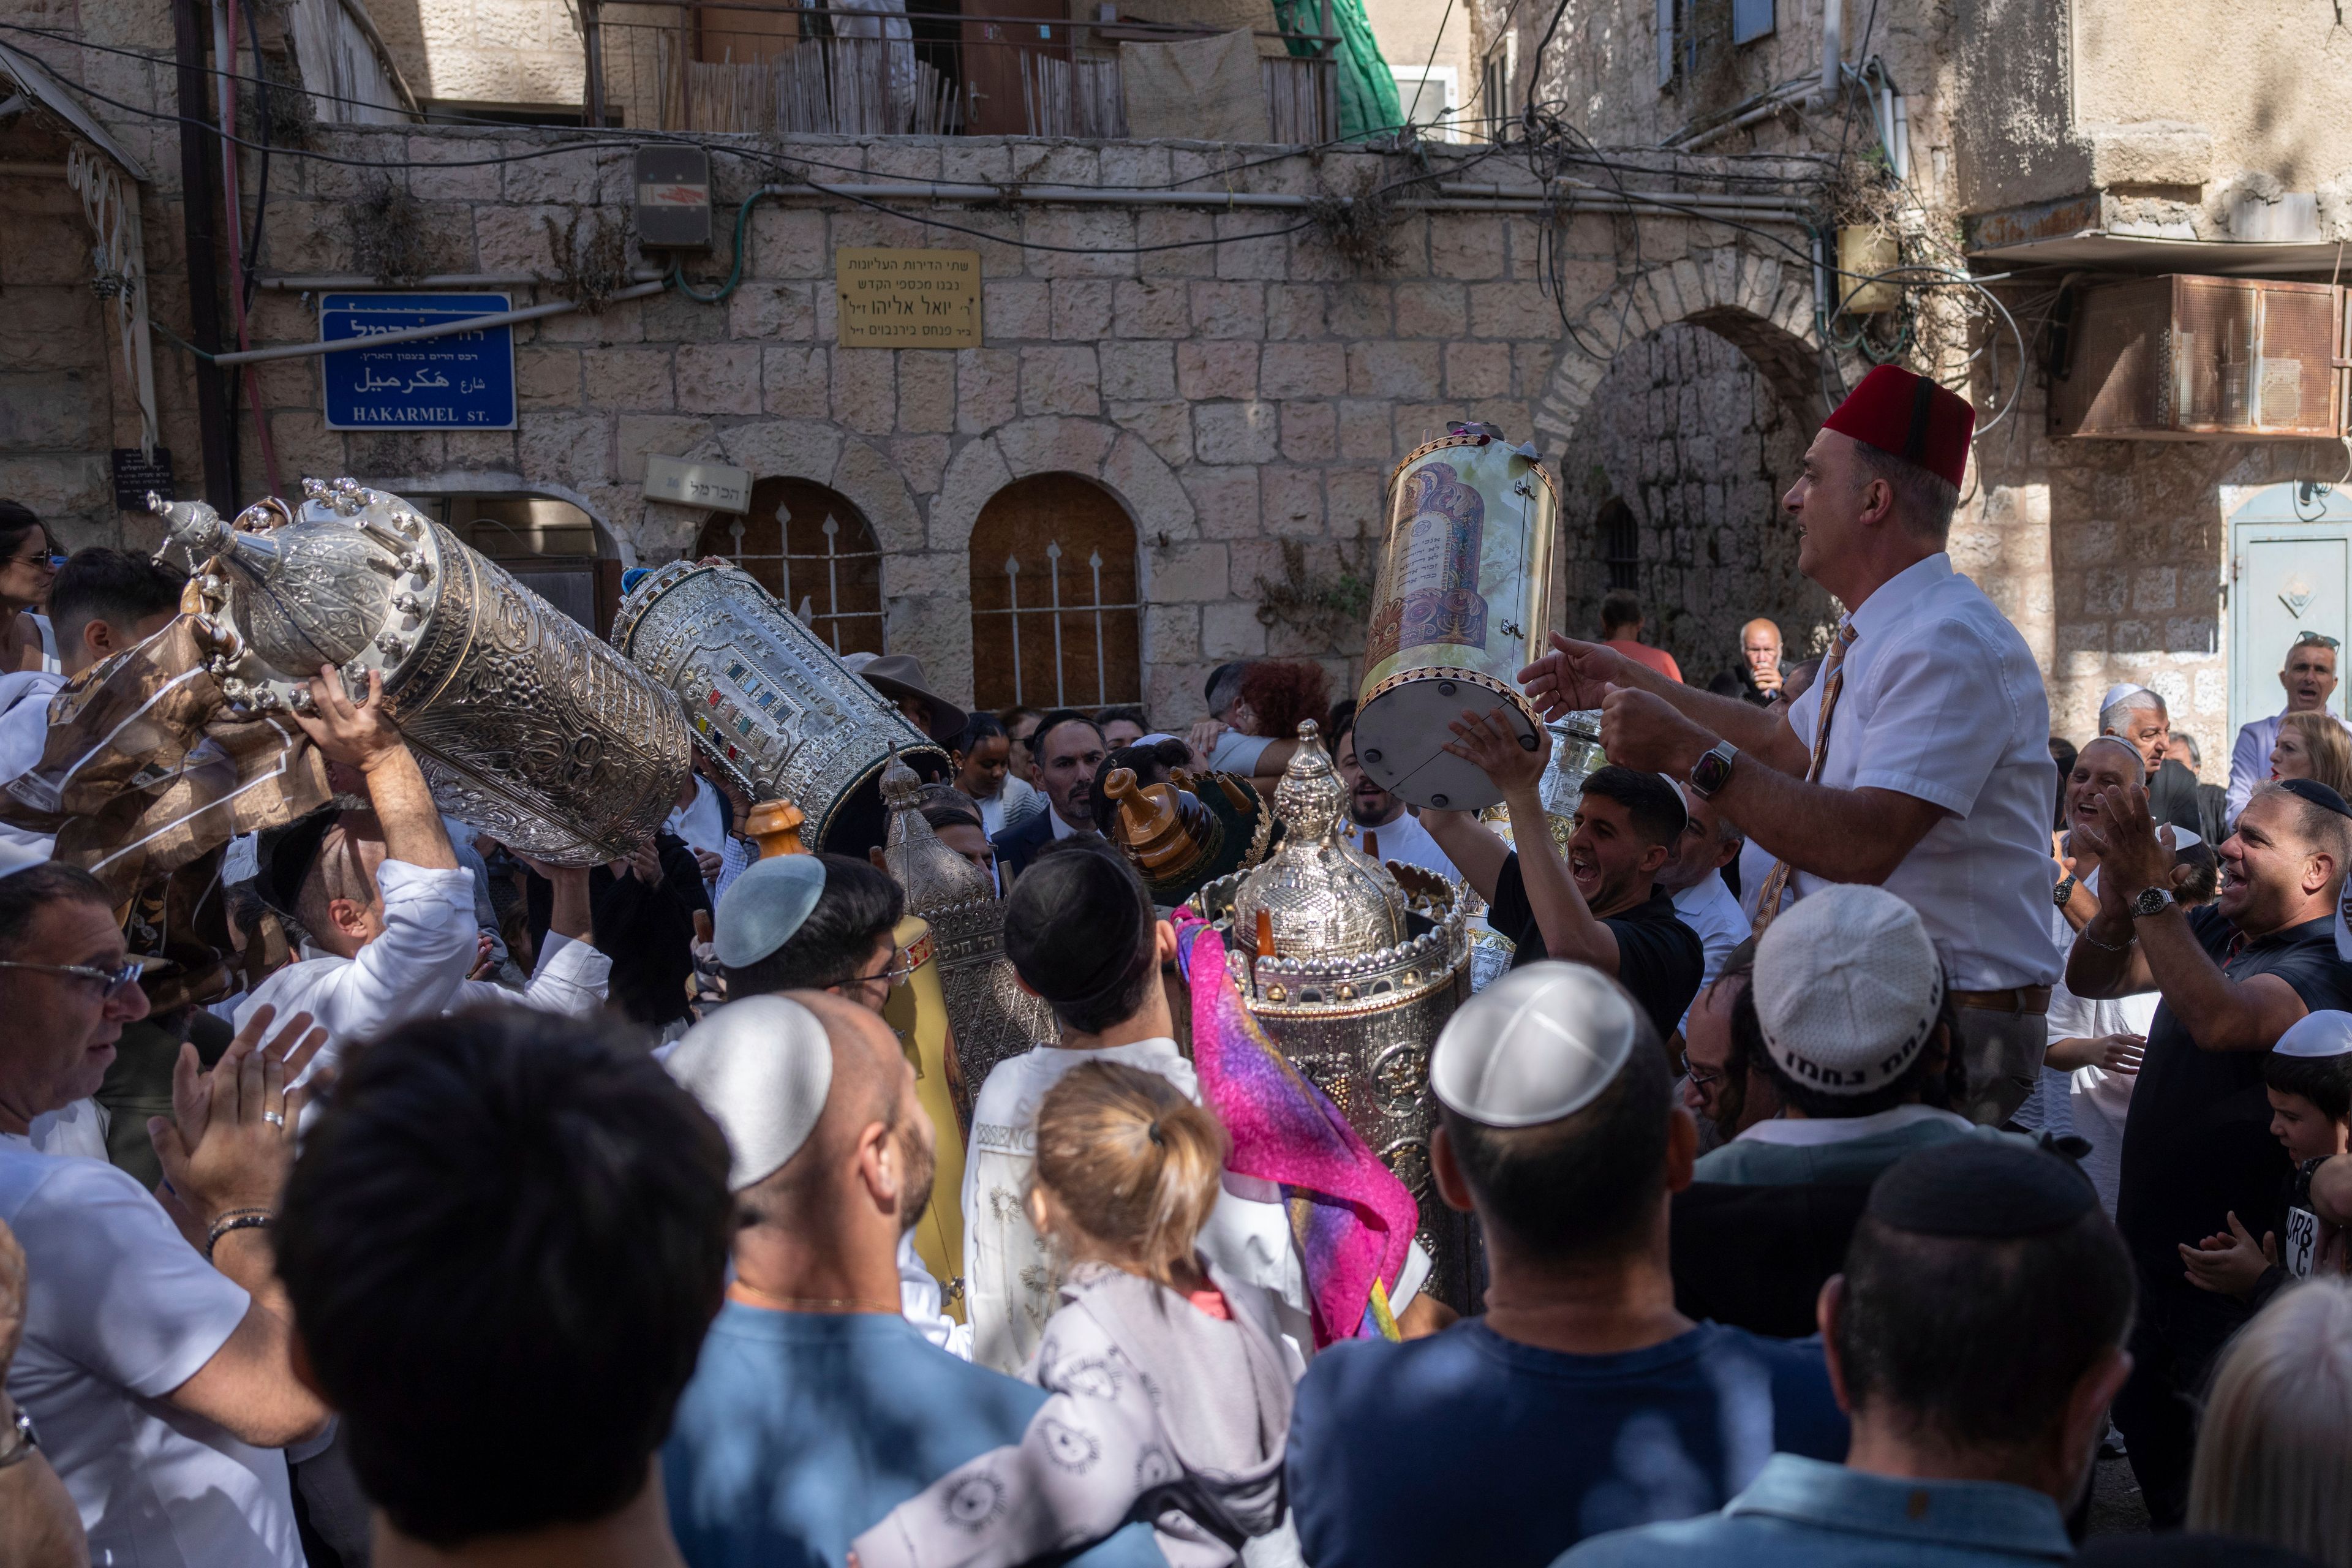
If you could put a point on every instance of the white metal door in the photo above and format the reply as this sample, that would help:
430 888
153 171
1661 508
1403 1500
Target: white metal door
2290 571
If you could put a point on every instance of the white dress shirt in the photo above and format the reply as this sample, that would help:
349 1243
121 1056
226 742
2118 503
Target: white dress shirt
24 732
1406 840
1943 703
1709 907
416 969
2250 760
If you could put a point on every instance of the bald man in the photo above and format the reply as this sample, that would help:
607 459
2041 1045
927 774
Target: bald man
815 1407
1759 661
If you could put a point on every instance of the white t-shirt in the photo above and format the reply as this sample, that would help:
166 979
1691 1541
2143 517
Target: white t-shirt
1406 840
2097 1100
1943 703
122 1311
24 732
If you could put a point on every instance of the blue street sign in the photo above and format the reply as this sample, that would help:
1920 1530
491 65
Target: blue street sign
464 380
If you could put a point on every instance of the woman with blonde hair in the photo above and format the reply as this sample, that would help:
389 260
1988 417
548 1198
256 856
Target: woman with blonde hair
1171 1403
2275 1450
2312 747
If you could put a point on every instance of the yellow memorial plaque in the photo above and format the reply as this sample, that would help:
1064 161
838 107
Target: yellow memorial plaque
893 298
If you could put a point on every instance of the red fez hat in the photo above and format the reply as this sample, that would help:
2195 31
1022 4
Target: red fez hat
1911 417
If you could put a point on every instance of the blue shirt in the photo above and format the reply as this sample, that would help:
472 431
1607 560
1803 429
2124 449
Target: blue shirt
1468 1448
1803 1513
799 1430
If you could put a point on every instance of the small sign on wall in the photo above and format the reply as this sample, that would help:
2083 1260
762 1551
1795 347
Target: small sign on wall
714 485
893 298
135 474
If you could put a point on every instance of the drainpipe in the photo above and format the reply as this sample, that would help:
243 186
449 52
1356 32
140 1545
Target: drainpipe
197 207
1832 51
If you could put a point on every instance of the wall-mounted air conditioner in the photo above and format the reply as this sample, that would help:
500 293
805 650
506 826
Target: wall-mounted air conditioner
2202 359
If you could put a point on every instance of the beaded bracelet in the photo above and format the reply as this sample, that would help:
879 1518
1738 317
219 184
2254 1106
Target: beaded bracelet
234 1220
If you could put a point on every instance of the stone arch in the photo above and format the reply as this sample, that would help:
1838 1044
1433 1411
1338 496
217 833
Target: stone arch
1119 460
1762 305
610 541
1714 383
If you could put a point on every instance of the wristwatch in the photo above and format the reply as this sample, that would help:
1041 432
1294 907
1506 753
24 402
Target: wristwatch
2063 891
2151 901
1713 771
21 1441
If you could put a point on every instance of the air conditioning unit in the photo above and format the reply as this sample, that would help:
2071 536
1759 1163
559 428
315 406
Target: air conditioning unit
2186 357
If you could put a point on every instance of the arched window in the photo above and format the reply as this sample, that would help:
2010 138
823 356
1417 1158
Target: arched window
1621 542
809 547
1053 602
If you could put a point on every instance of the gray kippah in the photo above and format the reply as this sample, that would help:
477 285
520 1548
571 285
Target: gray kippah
1992 1188
764 906
761 1068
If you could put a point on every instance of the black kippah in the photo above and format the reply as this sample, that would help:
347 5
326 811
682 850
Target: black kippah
2317 794
1992 1188
1076 924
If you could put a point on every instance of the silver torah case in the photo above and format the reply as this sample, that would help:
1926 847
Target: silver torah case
523 723
771 704
990 1017
1369 962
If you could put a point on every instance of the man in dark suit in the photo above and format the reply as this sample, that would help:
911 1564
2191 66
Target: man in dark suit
1069 750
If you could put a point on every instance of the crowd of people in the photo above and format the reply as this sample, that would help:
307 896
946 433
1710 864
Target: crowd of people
1889 1108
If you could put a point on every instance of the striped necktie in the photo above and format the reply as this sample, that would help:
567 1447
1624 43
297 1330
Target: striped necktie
1776 882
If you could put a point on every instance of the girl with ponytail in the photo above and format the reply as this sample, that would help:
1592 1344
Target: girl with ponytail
1170 1402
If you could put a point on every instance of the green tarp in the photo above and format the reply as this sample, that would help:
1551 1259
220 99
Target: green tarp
1368 105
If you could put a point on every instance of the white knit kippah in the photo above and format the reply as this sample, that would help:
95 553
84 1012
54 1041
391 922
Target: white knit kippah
1538 1044
1847 988
2323 1033
761 1068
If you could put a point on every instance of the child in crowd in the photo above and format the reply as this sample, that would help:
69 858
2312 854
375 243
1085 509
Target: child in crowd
2308 1075
1170 1402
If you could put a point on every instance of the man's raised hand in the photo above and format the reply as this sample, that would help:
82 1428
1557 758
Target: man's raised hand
1574 676
360 734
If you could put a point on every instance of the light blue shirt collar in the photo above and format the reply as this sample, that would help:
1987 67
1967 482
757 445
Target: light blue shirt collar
1984 1516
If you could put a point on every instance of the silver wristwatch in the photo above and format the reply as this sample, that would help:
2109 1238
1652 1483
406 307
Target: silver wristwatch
2151 901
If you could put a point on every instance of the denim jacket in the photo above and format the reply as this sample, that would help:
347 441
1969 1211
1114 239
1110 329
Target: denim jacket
1804 1513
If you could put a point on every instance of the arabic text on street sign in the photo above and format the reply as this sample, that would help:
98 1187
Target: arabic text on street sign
463 381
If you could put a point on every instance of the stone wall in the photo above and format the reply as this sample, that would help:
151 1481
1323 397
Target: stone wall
1235 397
1696 442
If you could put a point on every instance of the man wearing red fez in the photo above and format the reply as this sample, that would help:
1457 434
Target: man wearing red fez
1919 758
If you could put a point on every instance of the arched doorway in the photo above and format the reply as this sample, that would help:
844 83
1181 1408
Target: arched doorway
1675 475
1054 611
815 551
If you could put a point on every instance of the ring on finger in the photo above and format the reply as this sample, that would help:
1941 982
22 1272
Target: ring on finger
275 1118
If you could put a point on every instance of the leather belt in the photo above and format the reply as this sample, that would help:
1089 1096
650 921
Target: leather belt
2029 999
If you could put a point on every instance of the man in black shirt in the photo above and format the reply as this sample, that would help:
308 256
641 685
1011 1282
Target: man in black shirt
2197 1146
1600 906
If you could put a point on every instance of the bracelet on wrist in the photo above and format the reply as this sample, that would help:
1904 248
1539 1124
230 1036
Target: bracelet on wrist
2123 946
19 1441
234 1220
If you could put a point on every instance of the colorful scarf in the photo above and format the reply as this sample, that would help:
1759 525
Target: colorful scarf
1353 1219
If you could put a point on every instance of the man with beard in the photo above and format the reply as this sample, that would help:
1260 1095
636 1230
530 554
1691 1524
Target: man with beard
816 1408
1069 750
1380 818
1601 905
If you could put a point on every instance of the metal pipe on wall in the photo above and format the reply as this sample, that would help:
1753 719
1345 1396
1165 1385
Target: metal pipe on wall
197 209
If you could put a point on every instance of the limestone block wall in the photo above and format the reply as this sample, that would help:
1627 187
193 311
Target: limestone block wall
1234 398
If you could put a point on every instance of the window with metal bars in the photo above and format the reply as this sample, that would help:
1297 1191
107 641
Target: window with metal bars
1054 610
1619 534
815 551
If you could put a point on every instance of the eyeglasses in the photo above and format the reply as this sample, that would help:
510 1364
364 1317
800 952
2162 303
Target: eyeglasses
900 971
110 981
1701 1076
38 558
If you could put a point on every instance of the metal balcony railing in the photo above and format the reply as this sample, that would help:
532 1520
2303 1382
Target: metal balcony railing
744 66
